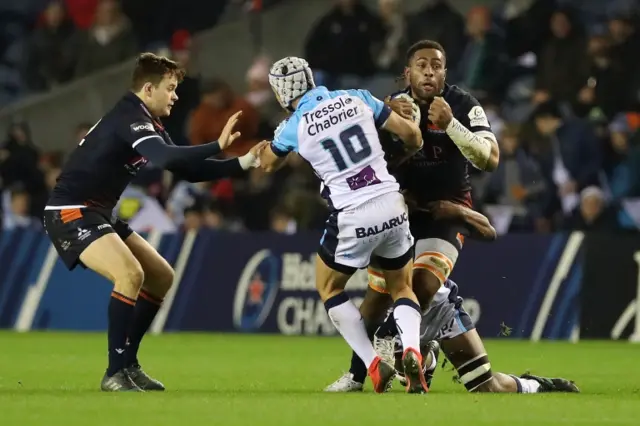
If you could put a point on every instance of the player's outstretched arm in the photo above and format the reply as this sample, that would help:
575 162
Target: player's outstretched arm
478 223
271 160
210 169
169 157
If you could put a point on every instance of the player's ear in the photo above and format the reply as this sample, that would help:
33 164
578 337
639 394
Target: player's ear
147 88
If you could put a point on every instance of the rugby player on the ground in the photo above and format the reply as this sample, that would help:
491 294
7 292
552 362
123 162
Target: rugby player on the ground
456 134
78 216
447 322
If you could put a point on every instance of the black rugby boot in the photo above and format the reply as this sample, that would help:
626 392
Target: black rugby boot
119 382
553 384
142 379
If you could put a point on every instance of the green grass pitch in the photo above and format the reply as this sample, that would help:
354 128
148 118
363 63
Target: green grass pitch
213 379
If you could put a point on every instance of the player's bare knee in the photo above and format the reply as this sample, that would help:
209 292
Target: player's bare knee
129 279
160 282
166 280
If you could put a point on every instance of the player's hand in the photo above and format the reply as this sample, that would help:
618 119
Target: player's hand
440 112
257 151
228 136
400 106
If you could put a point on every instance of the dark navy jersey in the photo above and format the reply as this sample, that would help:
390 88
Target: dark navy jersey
439 171
105 161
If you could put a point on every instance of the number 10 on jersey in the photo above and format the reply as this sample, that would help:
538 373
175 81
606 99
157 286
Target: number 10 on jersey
346 137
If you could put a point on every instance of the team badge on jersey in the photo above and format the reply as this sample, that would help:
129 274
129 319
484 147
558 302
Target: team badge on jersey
477 117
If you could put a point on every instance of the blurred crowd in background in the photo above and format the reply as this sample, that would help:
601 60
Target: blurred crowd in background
559 79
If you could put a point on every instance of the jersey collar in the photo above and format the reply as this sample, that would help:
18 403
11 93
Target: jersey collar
317 91
130 96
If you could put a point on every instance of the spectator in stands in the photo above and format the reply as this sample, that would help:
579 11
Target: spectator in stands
526 24
568 152
482 67
562 62
517 182
625 40
593 214
260 96
82 12
51 53
16 209
282 222
218 103
342 42
257 196
437 20
391 58
193 218
19 163
623 165
212 217
185 194
110 40
188 91
605 83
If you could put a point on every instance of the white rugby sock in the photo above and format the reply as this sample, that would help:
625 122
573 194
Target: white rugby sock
407 316
347 319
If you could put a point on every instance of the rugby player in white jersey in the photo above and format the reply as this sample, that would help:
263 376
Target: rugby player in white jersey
336 132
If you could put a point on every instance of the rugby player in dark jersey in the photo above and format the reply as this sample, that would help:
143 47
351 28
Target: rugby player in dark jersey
79 221
446 321
456 134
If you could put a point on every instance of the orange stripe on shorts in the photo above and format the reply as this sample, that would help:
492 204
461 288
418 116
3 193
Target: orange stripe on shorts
69 215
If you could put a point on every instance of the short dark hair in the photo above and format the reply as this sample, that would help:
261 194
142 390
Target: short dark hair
424 44
151 68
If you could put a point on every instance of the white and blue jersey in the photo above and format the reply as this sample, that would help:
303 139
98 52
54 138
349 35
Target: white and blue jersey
337 133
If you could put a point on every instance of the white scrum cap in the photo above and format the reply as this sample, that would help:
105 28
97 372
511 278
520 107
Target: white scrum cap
290 78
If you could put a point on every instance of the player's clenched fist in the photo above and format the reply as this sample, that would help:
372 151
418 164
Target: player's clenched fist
440 113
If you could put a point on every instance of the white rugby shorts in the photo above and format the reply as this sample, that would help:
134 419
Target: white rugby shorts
378 227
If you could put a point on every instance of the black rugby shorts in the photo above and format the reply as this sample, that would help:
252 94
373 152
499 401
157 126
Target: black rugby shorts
72 230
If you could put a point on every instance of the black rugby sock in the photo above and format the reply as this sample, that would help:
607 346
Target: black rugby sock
358 369
120 316
146 309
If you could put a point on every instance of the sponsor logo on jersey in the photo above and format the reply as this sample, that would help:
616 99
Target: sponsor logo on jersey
142 126
378 229
337 111
280 289
365 177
